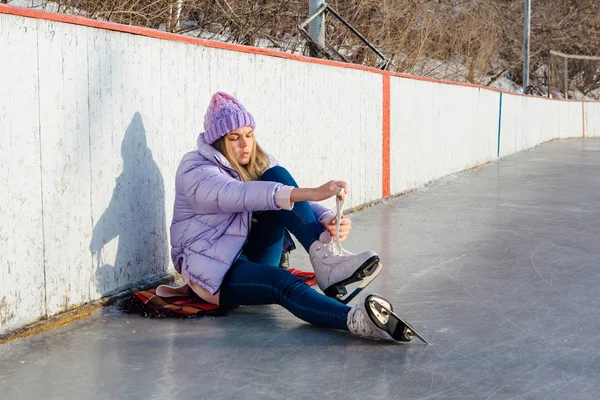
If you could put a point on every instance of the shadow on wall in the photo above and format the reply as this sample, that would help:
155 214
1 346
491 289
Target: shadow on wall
136 215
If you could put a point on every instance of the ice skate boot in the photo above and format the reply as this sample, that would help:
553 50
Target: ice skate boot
374 317
335 271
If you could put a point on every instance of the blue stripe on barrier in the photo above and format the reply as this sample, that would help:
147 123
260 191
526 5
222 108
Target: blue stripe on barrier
499 125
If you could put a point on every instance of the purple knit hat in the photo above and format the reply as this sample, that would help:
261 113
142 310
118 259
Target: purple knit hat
223 115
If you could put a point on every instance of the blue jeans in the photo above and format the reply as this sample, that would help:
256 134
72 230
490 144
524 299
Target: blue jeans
255 278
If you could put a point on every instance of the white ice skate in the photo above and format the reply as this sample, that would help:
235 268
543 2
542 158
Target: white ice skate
335 268
374 317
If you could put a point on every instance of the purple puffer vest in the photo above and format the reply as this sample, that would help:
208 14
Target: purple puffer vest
212 213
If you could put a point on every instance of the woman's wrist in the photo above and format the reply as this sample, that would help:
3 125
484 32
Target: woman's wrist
326 218
283 197
302 194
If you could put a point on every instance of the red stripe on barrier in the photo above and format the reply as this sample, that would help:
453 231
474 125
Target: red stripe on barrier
385 182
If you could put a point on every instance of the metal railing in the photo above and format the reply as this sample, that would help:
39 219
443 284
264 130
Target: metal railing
328 50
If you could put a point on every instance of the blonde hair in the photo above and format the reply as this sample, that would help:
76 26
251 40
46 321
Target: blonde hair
258 164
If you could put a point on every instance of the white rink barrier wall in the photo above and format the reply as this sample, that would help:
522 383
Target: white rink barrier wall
438 129
528 121
592 119
97 117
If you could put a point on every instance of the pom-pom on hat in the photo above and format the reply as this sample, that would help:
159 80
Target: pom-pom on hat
223 115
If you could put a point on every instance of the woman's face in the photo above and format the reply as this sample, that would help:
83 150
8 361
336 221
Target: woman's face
241 143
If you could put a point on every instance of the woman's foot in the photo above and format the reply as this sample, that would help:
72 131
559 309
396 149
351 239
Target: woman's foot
374 317
334 272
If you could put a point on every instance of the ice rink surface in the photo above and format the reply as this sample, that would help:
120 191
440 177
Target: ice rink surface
498 267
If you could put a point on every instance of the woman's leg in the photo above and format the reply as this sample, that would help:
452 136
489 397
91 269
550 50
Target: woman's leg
266 238
333 272
265 241
248 283
300 220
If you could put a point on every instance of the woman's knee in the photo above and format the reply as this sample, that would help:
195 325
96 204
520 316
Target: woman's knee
278 174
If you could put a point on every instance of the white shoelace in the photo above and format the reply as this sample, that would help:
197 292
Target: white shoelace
337 247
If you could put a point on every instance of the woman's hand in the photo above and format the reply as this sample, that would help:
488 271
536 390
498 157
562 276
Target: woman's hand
345 227
330 189
323 192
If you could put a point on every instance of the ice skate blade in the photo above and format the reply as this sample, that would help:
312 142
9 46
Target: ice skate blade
365 275
384 317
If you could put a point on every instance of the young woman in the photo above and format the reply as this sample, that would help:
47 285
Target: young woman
233 206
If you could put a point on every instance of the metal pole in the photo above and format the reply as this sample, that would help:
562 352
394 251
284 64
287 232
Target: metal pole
566 77
549 74
317 26
526 45
178 22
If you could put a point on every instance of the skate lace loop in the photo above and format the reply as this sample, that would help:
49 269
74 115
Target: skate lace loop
336 246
